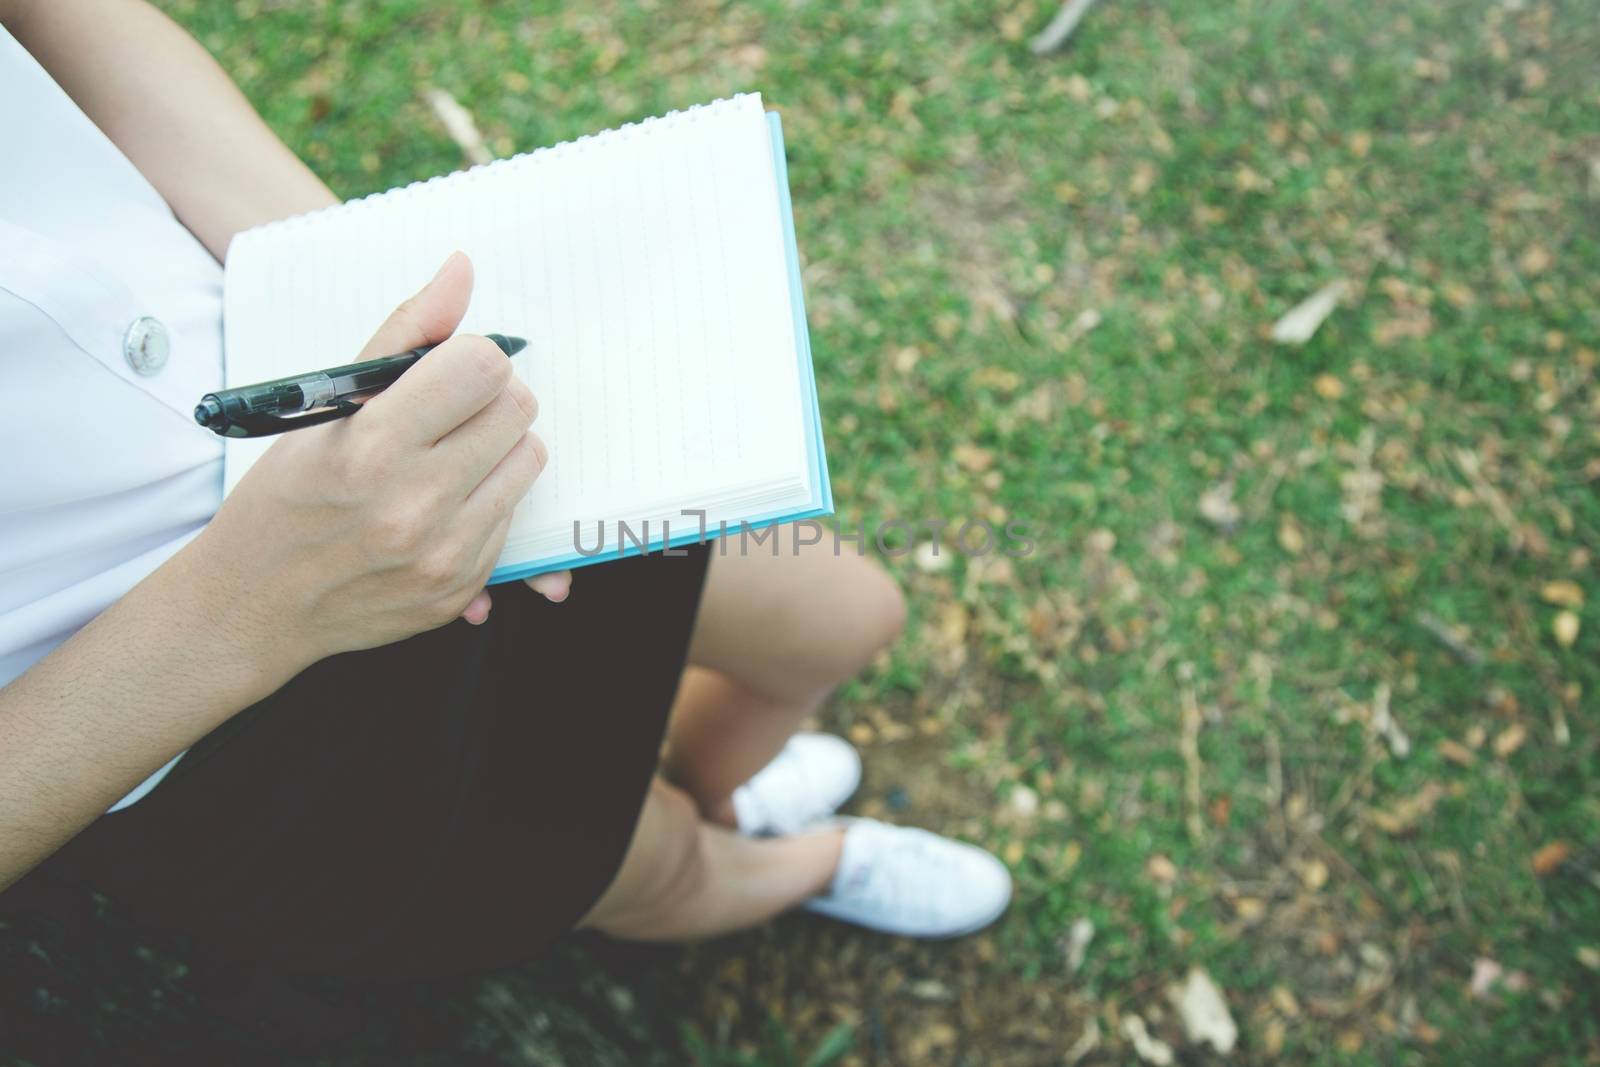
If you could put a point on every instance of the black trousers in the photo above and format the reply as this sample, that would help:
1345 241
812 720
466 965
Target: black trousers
448 803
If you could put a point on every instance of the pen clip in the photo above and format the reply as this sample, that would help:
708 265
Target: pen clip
262 425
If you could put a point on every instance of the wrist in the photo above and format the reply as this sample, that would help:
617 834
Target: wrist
249 649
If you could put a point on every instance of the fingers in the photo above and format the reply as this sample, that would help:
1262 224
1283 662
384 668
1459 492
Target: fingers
476 447
507 483
489 554
428 317
454 381
554 587
443 390
477 610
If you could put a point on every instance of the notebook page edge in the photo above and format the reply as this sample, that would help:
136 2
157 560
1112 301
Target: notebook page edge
817 453
255 233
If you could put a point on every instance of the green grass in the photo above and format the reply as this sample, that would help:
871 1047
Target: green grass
1071 263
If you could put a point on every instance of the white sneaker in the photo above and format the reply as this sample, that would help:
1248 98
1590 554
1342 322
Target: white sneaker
913 883
807 781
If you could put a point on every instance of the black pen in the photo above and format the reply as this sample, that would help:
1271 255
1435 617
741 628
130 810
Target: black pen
270 407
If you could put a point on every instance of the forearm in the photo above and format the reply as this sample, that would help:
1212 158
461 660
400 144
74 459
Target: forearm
171 110
144 680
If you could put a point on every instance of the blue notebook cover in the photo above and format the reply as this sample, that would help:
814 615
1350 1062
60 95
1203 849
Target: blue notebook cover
816 455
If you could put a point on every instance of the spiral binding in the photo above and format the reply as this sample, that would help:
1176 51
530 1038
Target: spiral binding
589 141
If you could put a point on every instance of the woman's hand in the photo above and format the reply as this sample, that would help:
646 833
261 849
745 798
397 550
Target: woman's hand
367 530
555 586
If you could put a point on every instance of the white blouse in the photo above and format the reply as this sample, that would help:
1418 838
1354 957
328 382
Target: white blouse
110 331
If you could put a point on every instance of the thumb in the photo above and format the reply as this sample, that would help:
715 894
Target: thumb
430 316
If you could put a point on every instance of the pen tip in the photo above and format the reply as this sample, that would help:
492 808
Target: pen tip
509 345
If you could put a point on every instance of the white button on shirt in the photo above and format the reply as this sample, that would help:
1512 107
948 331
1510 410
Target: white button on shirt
110 331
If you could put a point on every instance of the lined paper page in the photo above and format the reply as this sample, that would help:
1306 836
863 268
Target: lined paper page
646 268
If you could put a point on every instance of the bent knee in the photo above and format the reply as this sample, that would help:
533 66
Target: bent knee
682 874
865 614
665 867
878 612
889 610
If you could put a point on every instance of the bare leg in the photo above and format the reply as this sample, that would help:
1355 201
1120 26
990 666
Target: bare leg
774 635
684 879
721 733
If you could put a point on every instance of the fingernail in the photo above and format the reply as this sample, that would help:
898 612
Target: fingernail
451 258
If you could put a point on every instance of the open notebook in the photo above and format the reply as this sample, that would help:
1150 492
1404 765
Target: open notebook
652 269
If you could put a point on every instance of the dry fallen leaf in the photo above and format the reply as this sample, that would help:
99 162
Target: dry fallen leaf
1250 909
1485 973
995 378
1217 506
1302 322
1086 321
1247 179
1457 753
952 624
1385 725
1327 386
1428 70
1563 593
1078 938
1204 1012
1460 296
1056 34
1024 801
1161 868
1314 874
994 570
1535 259
1220 809
972 458
1290 538
1087 1042
1403 815
1565 628
1142 179
1549 858
1273 1036
1510 739
458 123
1151 1050
1414 323
929 559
